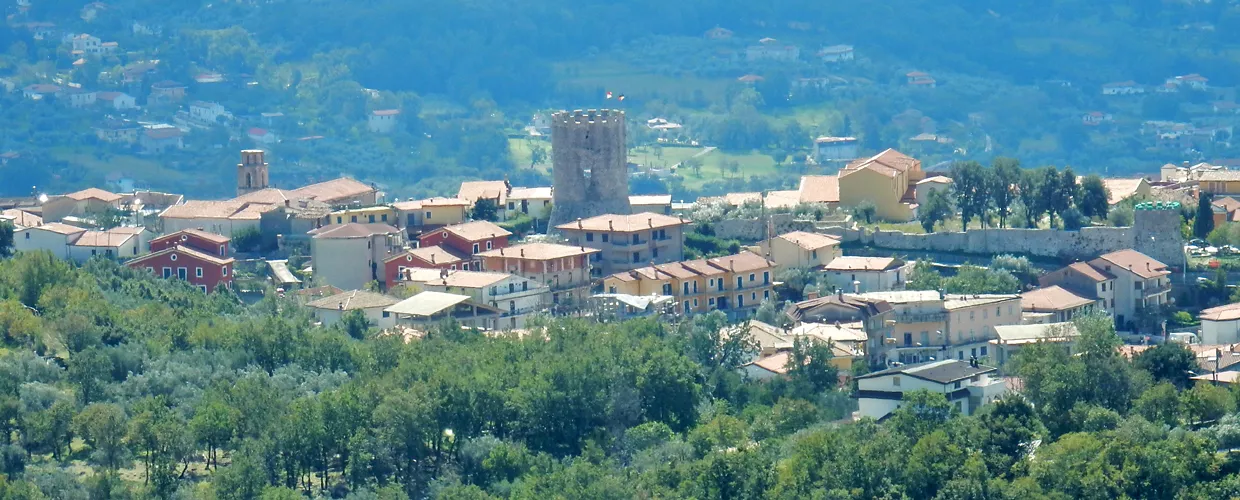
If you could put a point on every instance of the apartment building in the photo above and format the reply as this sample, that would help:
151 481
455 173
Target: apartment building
563 269
967 386
628 241
467 239
349 256
735 284
802 249
517 296
971 321
1124 282
873 316
856 274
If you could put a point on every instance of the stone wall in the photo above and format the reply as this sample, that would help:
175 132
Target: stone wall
589 165
754 230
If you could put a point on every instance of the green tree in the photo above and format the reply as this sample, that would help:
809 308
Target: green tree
976 280
160 437
716 346
924 277
809 363
89 370
355 324
1159 404
538 155
969 184
6 238
1207 403
1168 362
212 426
1203 223
1051 194
248 239
921 413
1006 175
938 208
102 426
865 210
1093 201
485 209
1030 187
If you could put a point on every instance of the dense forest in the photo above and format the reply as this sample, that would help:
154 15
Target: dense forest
114 384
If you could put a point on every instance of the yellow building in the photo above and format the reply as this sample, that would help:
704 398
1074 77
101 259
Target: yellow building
1220 182
734 284
888 180
802 249
381 214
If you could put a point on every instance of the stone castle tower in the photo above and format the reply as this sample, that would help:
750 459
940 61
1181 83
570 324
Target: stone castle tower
252 172
589 164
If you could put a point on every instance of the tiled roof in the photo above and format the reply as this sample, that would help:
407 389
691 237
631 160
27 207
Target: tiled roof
943 372
820 189
211 237
199 209
856 263
473 191
888 162
472 279
1220 175
782 199
742 262
624 223
809 241
93 193
1052 298
351 230
432 255
867 306
739 199
60 228
334 190
539 251
1229 312
478 230
961 301
1091 272
356 299
1138 263
110 239
22 217
187 251
1121 189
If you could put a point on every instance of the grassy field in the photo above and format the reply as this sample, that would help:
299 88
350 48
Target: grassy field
519 151
714 167
590 76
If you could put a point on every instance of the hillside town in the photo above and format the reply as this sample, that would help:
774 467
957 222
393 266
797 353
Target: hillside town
341 248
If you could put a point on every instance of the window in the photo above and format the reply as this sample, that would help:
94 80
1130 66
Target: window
339 220
998 311
686 307
667 289
711 282
494 290
637 256
956 385
711 302
224 271
167 272
766 277
386 314
371 219
983 351
895 381
695 302
635 240
525 285
611 289
654 253
352 218
1104 286
740 301
203 288
383 218
512 206
453 267
973 352
428 216
740 282
27 234
813 254
766 294
182 273
197 272
685 285
589 236
488 245
223 248
94 251
605 236
512 287
751 277
444 234
173 257
1136 285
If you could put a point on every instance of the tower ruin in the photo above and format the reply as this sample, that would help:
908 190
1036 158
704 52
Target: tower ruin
251 172
589 164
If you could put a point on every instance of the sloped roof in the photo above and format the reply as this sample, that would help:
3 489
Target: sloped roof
109 239
187 251
809 241
427 303
94 193
1052 298
782 199
942 372
22 217
478 230
820 189
432 255
1140 264
857 263
356 299
334 190
351 230
624 223
1229 312
539 251
60 228
473 191
212 237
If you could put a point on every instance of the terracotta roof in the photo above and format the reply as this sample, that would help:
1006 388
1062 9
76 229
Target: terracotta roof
319 291
1052 298
270 196
60 228
1229 312
109 96
775 363
890 159
1091 272
351 230
478 230
856 263
190 252
937 179
473 191
356 299
962 301
432 255
22 217
211 237
739 263
624 223
94 193
1220 175
782 199
738 199
110 239
539 251
1121 189
199 209
820 189
534 193
650 199
1138 263
1226 203
703 267
809 241
334 190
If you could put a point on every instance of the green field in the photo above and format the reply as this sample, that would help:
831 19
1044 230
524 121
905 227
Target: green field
714 167
665 157
622 78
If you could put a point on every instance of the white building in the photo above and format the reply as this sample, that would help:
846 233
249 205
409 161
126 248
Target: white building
517 296
117 100
1220 325
87 44
79 97
836 53
382 121
329 310
348 256
429 308
866 274
116 243
835 148
770 49
53 237
208 113
1122 88
966 385
1012 338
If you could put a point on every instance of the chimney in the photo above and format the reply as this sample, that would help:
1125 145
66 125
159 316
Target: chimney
650 221
523 252
610 226
578 223
839 294
340 306
811 295
286 203
432 258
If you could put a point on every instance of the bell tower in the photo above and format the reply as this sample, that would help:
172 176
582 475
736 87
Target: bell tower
251 172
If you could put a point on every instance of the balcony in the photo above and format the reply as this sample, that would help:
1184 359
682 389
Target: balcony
1155 290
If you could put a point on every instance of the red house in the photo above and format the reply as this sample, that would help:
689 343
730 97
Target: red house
202 241
184 263
433 257
469 238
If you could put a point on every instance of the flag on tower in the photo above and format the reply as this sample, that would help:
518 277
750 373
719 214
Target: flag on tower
621 98
609 94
